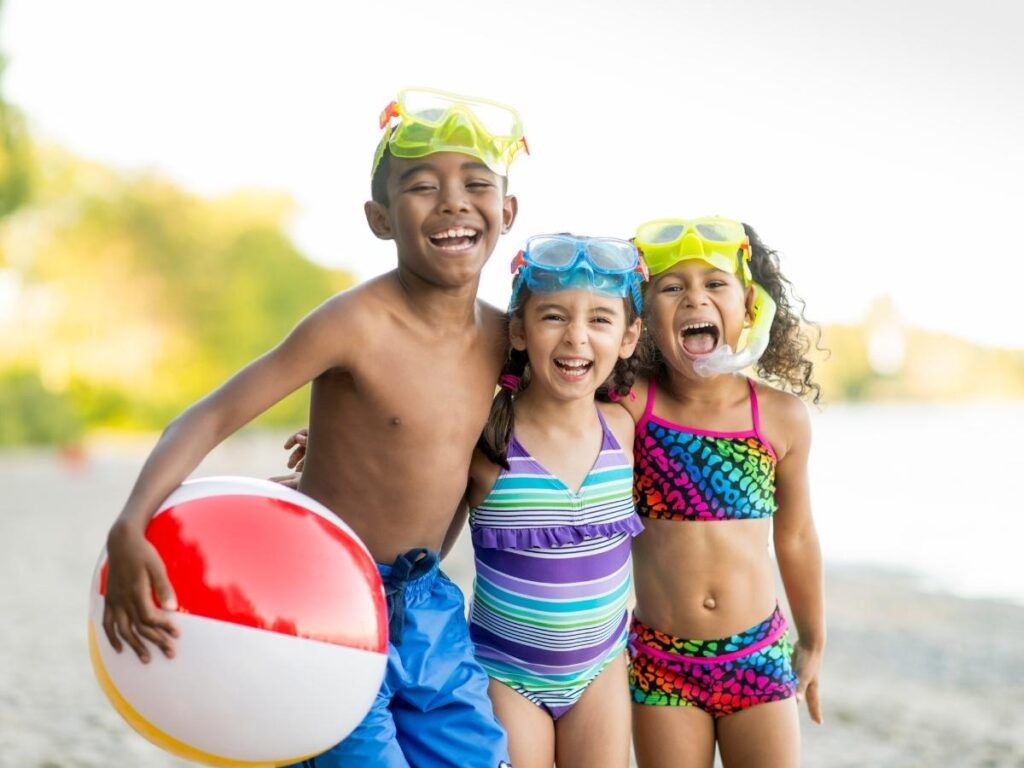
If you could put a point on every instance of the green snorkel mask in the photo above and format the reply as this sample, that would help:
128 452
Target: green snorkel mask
421 122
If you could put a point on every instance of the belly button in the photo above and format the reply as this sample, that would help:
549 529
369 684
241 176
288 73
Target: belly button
709 603
396 422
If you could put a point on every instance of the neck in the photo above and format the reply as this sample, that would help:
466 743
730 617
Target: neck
713 392
441 307
550 415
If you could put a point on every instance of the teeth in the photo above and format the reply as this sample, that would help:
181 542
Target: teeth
696 326
574 364
454 232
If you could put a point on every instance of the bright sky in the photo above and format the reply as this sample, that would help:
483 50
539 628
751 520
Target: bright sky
876 143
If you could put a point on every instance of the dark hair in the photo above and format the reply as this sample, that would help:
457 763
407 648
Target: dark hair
785 362
379 181
494 440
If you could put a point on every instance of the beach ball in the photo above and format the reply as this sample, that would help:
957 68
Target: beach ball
282 623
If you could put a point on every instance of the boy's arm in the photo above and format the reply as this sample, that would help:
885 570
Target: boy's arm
455 529
135 569
799 555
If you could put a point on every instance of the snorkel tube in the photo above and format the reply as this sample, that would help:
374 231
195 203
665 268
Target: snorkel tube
724 360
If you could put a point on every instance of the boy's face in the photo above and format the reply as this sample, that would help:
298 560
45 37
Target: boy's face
445 213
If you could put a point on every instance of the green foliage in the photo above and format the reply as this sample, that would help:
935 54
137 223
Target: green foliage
15 158
32 414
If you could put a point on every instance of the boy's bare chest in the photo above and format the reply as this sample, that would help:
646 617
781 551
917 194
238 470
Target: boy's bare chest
416 395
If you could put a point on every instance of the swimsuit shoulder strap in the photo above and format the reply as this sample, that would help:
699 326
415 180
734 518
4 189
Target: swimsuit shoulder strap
648 406
608 440
755 414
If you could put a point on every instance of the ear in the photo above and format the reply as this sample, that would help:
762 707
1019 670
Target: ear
379 220
509 210
630 339
748 301
517 333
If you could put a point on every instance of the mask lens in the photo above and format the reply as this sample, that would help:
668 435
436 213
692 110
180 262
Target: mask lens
611 255
552 252
497 121
660 233
720 232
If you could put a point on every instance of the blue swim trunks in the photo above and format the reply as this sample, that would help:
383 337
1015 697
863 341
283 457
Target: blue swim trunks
432 708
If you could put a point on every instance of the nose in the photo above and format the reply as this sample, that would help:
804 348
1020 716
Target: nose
453 197
695 296
577 334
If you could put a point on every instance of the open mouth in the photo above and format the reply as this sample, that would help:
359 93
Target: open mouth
573 367
700 338
455 238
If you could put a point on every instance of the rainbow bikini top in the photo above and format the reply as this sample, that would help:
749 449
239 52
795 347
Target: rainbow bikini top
681 473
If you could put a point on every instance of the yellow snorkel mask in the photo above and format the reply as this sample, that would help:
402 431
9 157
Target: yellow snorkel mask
422 121
722 243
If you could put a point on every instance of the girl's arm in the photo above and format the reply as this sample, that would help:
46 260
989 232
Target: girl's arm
799 554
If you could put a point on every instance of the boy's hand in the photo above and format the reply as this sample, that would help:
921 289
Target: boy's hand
297 460
289 481
807 665
134 572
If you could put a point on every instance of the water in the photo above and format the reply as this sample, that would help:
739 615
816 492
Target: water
934 489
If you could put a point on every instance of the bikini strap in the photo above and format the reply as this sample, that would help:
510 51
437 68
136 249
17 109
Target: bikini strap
755 412
648 406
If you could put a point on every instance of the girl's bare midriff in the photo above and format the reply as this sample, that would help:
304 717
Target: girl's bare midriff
703 580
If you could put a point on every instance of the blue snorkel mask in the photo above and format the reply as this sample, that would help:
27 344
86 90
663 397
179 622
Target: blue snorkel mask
604 265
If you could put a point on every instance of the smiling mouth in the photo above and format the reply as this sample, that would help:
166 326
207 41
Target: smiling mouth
573 367
700 339
455 239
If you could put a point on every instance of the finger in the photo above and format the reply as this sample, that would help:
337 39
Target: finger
814 703
159 620
162 588
294 458
301 466
127 632
801 688
157 637
108 629
288 481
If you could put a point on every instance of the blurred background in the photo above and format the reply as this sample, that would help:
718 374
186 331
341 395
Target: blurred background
181 182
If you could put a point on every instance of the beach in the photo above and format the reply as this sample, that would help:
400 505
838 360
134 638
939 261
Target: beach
913 676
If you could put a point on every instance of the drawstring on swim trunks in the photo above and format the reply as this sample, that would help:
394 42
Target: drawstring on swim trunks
407 567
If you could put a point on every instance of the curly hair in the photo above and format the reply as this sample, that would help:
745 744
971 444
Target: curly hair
494 440
786 362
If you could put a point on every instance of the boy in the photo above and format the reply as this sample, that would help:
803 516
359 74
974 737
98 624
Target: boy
403 371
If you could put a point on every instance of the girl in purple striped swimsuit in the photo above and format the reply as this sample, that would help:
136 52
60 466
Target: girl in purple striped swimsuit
551 508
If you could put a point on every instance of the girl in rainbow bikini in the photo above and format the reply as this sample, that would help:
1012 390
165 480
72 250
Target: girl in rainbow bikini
720 465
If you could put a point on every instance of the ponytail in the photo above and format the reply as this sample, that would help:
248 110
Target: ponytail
497 434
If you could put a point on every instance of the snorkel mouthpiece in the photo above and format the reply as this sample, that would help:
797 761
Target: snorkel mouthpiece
724 360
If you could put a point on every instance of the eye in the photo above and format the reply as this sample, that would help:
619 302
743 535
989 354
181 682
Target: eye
479 184
716 283
601 319
552 316
422 187
671 288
